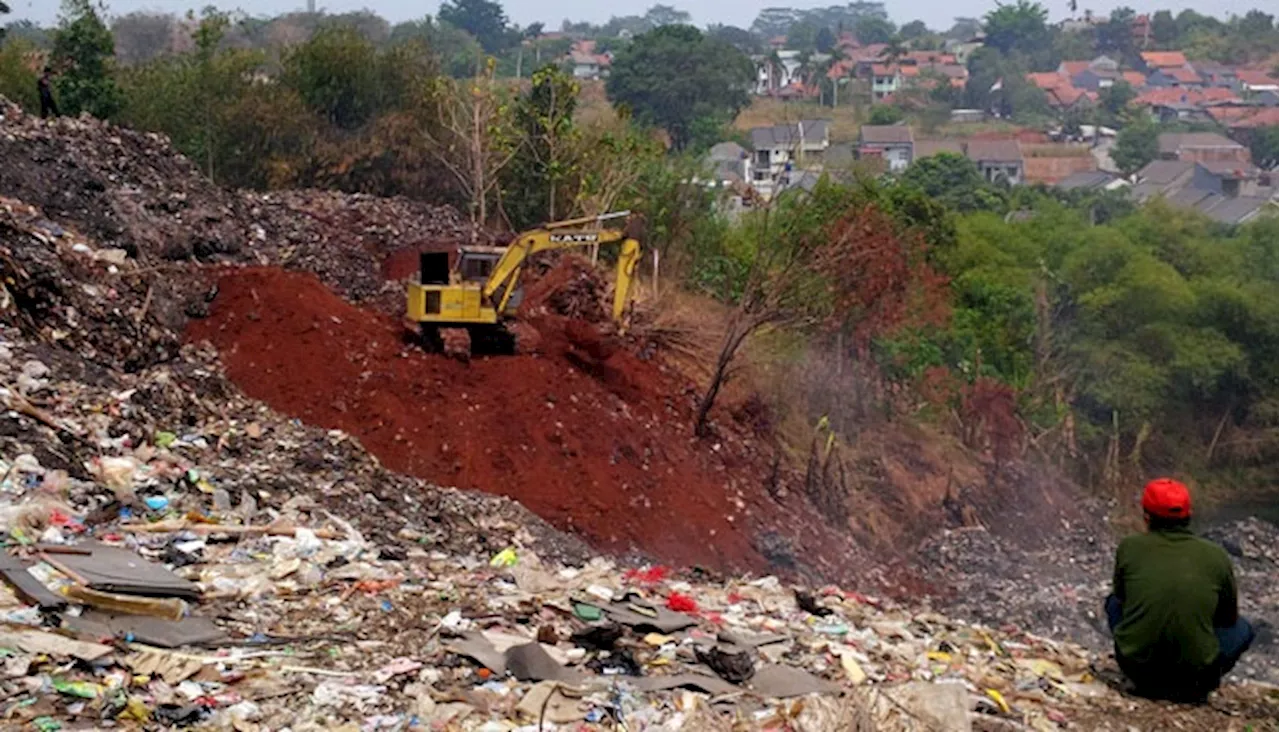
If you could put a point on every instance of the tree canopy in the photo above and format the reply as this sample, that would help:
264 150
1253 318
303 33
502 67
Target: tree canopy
1018 26
483 19
83 49
676 78
1136 145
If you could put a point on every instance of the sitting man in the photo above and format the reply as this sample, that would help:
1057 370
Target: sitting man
1173 612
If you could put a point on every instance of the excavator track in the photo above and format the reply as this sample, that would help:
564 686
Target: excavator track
456 343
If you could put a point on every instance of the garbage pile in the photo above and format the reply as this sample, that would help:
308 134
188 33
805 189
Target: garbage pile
134 192
149 596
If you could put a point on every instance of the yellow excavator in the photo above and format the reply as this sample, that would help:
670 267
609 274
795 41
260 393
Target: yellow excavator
473 300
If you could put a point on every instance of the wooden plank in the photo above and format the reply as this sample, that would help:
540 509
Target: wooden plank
13 571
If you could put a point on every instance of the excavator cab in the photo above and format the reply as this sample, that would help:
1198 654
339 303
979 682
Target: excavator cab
482 288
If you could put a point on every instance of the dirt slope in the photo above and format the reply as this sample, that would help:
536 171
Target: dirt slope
601 448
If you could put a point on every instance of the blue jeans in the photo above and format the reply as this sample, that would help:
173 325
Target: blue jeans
1232 642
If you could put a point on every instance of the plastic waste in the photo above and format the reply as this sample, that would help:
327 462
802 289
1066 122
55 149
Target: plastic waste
505 558
156 503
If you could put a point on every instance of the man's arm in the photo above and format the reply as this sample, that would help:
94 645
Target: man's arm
1228 608
1117 576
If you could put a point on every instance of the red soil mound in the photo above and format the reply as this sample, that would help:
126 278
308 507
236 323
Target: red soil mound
592 439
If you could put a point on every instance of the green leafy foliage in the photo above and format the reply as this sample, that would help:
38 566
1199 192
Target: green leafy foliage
1264 147
885 114
82 54
1020 26
1136 145
17 77
674 76
483 19
336 74
954 181
537 178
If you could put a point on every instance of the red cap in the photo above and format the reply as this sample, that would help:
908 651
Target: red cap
1166 498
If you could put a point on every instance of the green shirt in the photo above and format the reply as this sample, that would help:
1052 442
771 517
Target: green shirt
1174 588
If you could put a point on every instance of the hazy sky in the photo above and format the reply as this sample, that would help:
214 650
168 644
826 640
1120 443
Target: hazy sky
936 13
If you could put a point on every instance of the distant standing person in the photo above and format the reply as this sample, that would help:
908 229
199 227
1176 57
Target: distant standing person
48 107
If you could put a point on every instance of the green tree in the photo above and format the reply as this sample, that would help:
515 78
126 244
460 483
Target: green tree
743 40
802 36
1019 26
873 29
673 76
1115 99
483 19
1264 146
1164 30
17 77
660 15
82 53
458 52
825 40
1136 145
335 72
885 114
1116 35
540 176
913 30
954 181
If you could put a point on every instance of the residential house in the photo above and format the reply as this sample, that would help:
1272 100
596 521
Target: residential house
885 80
1225 193
1179 99
780 150
892 144
1166 177
1049 163
1154 60
777 71
1213 73
1180 112
962 50
587 64
1178 76
928 148
730 162
997 160
1256 82
1201 147
1091 180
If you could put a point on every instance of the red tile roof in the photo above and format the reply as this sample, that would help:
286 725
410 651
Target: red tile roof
1071 68
1175 95
1164 59
1253 77
1183 75
1136 79
1269 117
883 70
1048 79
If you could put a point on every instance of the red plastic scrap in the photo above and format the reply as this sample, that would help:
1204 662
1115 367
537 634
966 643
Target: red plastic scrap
647 576
681 603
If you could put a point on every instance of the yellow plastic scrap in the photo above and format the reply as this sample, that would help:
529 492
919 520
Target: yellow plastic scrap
939 656
852 669
1043 668
998 698
505 558
136 709
658 639
995 647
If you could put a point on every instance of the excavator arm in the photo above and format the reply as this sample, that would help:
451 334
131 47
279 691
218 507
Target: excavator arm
505 276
